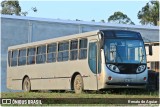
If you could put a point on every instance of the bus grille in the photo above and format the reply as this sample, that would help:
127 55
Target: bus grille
127 68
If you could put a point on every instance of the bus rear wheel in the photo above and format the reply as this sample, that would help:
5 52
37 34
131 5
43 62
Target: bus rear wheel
26 85
78 84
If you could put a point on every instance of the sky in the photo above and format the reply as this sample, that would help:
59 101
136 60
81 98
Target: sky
83 10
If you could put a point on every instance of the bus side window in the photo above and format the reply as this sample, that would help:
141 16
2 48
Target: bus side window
51 52
63 53
22 57
92 57
9 58
73 49
31 56
83 49
41 54
14 58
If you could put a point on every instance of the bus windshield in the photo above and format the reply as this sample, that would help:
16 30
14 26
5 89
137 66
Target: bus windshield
124 51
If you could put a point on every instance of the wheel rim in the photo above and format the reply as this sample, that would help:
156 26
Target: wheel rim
78 84
26 85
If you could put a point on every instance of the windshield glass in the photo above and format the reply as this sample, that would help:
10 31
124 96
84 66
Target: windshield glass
124 51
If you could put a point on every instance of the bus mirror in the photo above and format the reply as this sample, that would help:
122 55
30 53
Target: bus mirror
101 44
101 37
150 50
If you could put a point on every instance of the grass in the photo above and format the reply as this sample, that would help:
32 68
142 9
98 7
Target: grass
85 96
125 93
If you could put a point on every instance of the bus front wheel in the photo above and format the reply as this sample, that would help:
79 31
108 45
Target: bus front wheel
26 85
78 84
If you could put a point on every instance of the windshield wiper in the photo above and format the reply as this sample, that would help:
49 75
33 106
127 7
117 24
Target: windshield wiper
119 56
141 59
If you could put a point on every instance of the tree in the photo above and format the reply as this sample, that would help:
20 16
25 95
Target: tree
13 8
78 20
119 17
93 20
149 14
10 7
34 9
103 21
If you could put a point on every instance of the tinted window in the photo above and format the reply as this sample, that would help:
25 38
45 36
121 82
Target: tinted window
108 34
51 57
63 46
22 61
92 58
51 52
83 43
52 47
14 53
83 49
31 56
41 54
22 52
31 51
74 44
73 49
126 34
121 34
22 57
63 51
14 58
41 49
9 58
63 56
73 54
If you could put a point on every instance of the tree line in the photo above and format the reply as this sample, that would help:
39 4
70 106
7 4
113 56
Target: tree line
149 14
10 7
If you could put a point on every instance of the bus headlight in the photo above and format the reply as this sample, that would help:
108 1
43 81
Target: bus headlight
113 68
141 68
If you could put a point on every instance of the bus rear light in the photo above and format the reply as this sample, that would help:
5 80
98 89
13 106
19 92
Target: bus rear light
109 78
145 78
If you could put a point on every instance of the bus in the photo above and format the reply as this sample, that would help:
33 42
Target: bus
95 60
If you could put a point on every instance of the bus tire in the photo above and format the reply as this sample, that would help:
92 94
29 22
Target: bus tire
78 84
27 85
157 80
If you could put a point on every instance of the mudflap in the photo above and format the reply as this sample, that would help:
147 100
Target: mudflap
153 80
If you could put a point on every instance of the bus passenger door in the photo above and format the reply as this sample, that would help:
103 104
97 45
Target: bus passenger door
93 64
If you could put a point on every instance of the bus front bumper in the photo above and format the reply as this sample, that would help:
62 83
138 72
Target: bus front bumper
125 85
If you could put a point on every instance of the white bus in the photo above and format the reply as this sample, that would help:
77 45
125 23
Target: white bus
88 61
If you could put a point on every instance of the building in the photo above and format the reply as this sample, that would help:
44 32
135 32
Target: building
153 61
20 29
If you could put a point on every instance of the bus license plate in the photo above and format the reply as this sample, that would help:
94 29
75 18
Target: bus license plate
128 80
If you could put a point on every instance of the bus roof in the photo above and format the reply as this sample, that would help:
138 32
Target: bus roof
57 39
63 38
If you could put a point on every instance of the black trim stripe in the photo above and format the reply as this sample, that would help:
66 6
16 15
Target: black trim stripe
16 79
85 76
46 78
49 78
43 78
125 84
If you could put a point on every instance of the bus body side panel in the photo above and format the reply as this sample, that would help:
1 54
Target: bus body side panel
56 75
14 78
51 75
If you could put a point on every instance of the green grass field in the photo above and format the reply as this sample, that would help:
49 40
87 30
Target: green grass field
116 94
107 94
